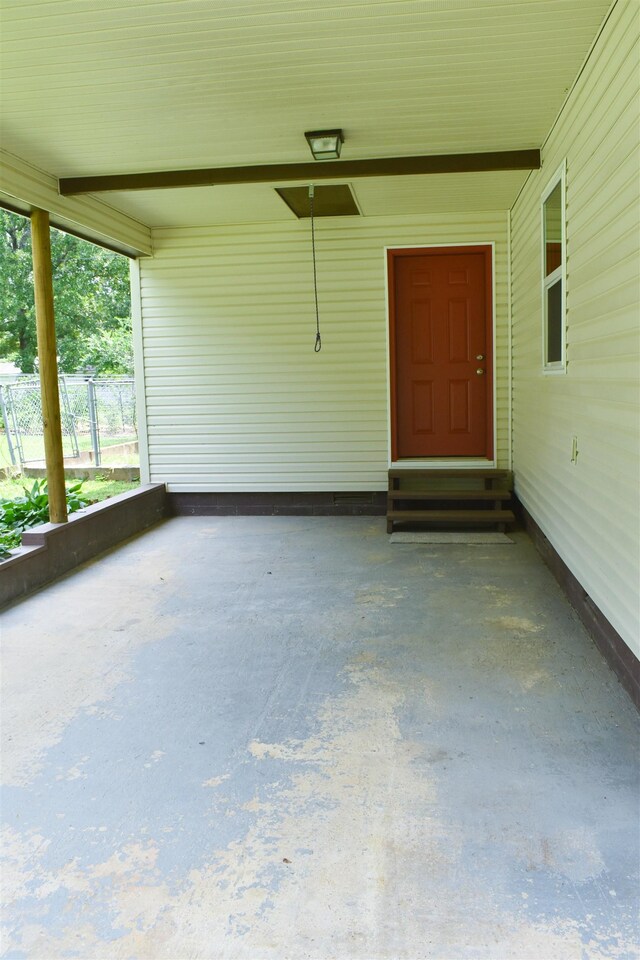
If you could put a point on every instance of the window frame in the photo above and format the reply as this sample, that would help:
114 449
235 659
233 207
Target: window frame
560 273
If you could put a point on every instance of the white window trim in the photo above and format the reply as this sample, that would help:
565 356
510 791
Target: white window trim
560 273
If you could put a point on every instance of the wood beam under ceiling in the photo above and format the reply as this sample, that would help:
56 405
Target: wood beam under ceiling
318 170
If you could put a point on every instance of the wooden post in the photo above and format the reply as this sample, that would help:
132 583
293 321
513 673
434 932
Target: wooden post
48 363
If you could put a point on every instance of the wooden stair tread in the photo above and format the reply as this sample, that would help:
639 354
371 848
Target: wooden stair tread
489 473
472 516
456 502
449 495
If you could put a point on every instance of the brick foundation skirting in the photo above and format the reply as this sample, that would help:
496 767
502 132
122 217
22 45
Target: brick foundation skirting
620 658
368 504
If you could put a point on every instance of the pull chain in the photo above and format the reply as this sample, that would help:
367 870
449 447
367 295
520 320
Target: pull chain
318 344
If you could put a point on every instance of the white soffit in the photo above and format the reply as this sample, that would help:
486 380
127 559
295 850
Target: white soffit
140 85
23 187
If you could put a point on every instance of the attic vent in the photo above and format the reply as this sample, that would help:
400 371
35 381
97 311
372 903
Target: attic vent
330 200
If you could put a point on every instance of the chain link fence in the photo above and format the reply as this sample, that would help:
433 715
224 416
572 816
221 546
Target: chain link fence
97 416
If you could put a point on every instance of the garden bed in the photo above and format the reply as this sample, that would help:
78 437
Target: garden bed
52 549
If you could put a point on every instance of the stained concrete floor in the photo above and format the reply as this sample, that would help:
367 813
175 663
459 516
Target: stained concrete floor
287 738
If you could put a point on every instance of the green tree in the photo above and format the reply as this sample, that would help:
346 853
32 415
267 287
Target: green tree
91 296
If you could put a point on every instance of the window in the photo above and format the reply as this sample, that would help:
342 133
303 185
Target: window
554 274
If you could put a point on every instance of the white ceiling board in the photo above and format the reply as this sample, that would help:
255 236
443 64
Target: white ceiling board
376 197
201 206
381 196
91 88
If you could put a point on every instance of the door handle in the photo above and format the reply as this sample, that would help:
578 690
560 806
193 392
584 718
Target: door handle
480 356
479 371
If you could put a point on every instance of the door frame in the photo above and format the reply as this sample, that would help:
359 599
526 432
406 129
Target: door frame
487 248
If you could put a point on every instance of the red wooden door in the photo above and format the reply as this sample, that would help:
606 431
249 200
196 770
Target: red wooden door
441 352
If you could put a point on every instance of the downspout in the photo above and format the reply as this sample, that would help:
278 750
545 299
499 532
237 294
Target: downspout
509 343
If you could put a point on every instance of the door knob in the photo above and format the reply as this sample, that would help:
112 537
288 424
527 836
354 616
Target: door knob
479 371
480 356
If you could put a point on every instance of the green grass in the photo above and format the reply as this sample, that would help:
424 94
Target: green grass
33 447
93 490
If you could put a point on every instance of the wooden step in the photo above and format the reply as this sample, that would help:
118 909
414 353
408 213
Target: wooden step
465 499
455 516
449 495
488 474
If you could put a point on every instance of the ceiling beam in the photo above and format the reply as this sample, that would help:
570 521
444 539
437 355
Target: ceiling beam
323 170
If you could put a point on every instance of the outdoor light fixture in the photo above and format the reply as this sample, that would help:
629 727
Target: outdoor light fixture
325 144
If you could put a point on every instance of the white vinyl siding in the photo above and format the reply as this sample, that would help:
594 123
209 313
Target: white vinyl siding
588 510
236 398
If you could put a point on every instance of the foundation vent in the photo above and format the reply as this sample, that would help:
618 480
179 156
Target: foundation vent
352 499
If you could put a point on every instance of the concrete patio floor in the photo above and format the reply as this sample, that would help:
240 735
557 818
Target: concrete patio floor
285 737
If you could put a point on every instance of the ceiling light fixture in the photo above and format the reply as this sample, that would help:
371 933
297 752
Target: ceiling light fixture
325 144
